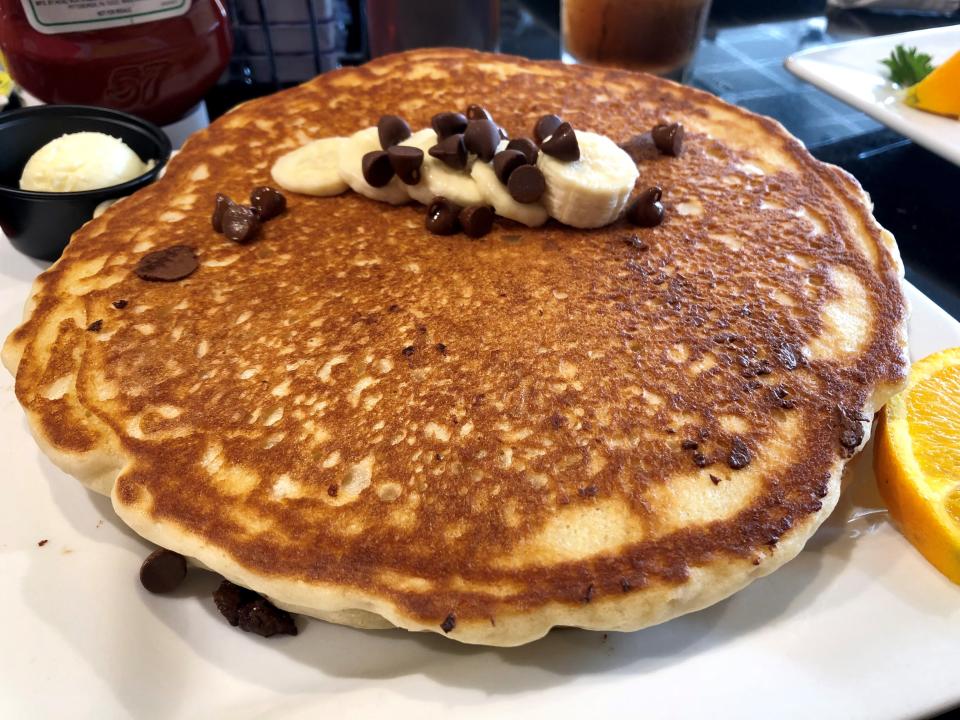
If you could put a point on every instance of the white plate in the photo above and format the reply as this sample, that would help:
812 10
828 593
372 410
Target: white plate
858 626
852 72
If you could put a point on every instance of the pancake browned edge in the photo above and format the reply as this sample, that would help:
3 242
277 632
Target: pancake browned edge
377 426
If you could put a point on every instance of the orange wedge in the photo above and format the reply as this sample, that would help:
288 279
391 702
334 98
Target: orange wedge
917 459
939 92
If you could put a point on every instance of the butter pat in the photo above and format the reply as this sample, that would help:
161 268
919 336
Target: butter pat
81 161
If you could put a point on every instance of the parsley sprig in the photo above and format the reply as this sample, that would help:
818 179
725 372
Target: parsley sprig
908 66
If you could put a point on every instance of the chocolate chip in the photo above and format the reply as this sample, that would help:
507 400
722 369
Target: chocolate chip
699 459
392 130
95 326
251 612
449 623
477 220
647 210
451 151
269 202
689 444
446 124
562 144
526 146
851 428
406 162
588 593
481 138
506 162
625 585
441 348
221 203
409 350
163 571
545 127
120 304
43 542
377 170
634 241
526 184
789 356
265 619
714 479
668 138
241 224
333 489
588 492
739 454
478 112
172 263
442 216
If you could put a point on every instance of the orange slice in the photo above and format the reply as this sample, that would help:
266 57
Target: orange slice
939 92
917 459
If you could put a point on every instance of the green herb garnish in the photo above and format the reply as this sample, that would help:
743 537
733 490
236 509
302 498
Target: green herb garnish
908 66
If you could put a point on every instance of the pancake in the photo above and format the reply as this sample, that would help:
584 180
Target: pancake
484 438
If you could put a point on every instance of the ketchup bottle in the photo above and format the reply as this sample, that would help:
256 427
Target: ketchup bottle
152 58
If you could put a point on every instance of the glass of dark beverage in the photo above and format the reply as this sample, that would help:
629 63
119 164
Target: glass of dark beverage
395 25
656 36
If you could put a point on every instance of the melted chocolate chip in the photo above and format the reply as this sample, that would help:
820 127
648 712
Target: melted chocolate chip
120 304
689 444
668 138
699 459
647 210
506 162
588 593
249 611
95 326
221 203
739 454
451 151
526 184
406 162
449 623
545 127
392 130
526 146
163 571
446 124
478 112
789 356
634 241
265 619
481 138
476 220
442 216
851 428
441 348
269 202
562 144
409 350
241 224
172 263
377 170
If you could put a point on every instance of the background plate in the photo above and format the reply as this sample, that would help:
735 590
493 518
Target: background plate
858 626
852 72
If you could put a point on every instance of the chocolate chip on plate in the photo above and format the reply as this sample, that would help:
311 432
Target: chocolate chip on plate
269 202
527 146
220 205
562 144
545 127
406 162
377 170
482 138
668 138
526 184
392 130
505 162
249 611
446 124
451 151
647 210
163 571
229 598
477 220
172 263
442 216
241 224
478 112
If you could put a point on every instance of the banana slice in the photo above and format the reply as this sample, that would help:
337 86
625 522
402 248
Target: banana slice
590 192
349 160
311 169
437 179
495 193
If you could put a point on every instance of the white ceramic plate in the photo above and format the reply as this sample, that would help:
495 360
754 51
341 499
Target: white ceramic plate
858 626
852 72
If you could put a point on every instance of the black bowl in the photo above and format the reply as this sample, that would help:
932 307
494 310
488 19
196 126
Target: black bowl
39 224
